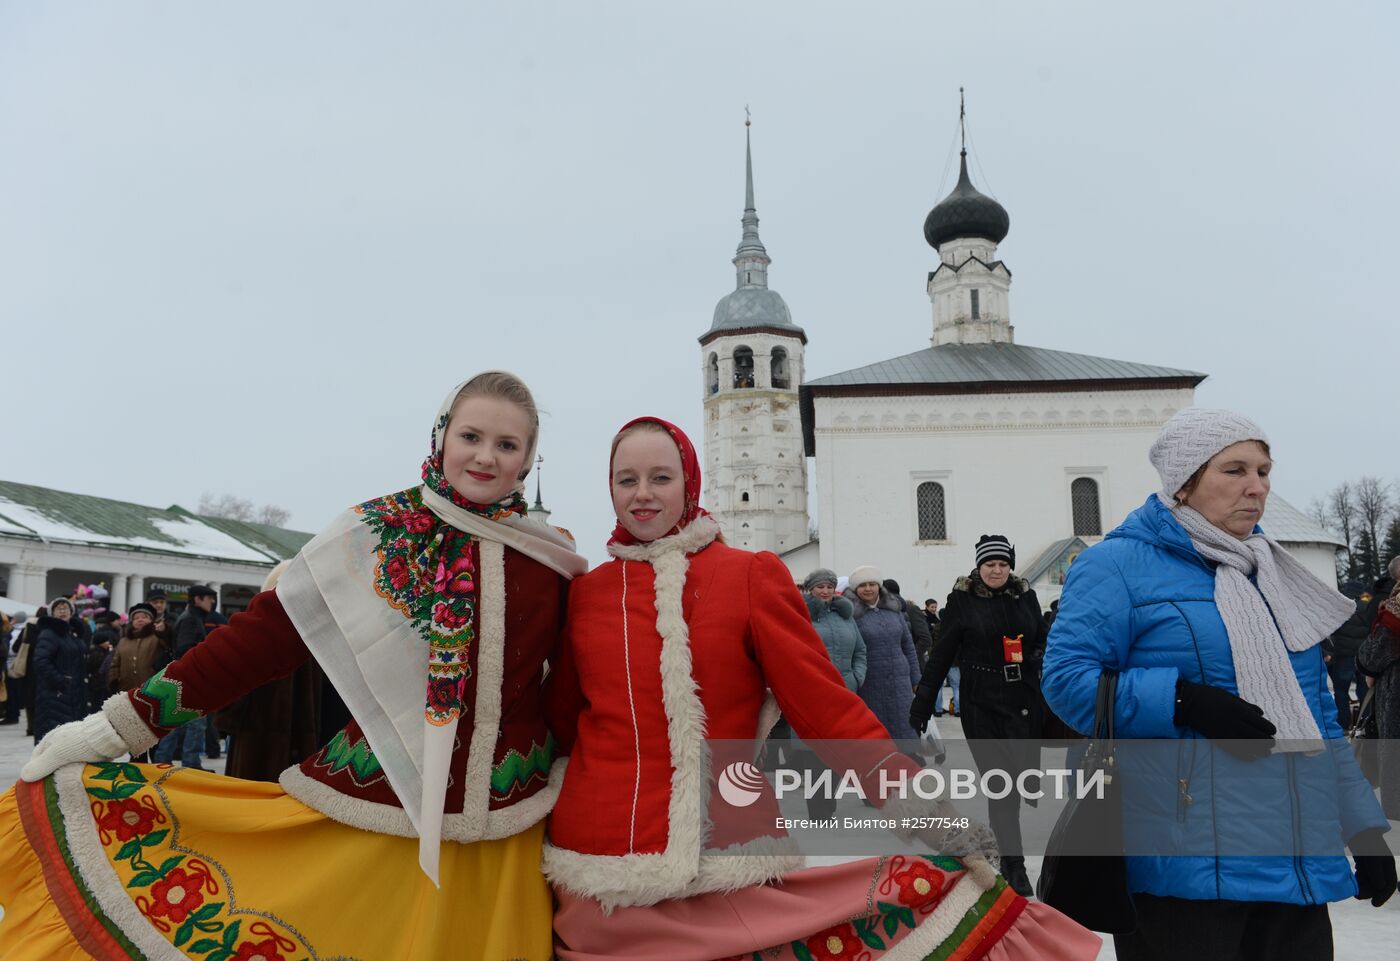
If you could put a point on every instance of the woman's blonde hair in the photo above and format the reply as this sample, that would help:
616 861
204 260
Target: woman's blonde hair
501 385
638 428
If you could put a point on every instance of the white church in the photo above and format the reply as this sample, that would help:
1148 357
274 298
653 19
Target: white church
916 456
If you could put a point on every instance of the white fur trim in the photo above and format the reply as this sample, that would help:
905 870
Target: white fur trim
648 878
391 819
97 872
630 880
701 532
768 715
490 676
121 714
938 926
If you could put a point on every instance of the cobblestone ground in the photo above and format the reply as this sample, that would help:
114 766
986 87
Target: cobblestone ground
1361 932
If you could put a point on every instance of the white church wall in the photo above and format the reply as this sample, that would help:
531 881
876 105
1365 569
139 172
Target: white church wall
1006 462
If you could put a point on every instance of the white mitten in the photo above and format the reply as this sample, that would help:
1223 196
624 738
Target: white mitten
91 739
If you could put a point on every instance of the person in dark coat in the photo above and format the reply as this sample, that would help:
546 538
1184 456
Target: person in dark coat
1379 660
58 665
99 660
15 687
918 624
891 666
994 632
277 725
1346 641
190 631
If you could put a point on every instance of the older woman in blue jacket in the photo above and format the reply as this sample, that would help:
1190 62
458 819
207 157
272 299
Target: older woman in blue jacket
1215 631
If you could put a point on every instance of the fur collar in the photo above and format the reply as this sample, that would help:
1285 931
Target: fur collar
837 605
886 601
972 584
698 535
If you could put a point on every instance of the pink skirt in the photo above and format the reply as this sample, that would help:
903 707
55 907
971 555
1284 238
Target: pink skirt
890 909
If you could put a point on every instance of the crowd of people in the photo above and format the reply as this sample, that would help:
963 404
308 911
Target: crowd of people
447 698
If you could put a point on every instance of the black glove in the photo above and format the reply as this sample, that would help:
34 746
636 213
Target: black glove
922 707
1222 716
1375 867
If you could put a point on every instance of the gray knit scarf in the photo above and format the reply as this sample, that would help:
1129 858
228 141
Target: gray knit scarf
1292 610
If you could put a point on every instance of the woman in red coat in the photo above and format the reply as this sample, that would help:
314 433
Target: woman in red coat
680 644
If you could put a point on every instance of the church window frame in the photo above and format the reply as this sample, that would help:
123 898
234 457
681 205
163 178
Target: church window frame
744 378
1086 502
976 305
779 369
925 507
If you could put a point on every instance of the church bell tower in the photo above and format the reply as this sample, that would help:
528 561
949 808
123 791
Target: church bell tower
751 365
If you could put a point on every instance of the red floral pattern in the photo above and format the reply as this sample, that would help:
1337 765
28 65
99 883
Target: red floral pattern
176 895
427 571
127 818
920 883
840 943
265 950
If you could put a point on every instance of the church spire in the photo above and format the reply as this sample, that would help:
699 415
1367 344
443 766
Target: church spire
751 259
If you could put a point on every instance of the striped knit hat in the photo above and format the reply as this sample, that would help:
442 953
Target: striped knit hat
1191 438
995 547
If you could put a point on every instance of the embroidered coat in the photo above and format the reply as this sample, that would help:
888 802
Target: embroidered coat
663 651
344 780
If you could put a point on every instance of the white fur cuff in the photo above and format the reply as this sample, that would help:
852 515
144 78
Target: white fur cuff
121 714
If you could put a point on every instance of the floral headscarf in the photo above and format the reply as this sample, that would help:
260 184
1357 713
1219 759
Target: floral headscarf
690 474
428 570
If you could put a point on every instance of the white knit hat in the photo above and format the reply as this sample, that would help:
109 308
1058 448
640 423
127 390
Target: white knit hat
1191 438
863 575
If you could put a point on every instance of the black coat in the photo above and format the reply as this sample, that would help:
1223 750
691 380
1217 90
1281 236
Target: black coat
973 624
189 631
58 665
1346 640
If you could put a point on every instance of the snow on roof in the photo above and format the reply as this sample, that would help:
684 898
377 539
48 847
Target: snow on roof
1288 525
49 515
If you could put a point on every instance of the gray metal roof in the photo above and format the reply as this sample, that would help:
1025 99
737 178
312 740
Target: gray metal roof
953 364
1288 525
752 307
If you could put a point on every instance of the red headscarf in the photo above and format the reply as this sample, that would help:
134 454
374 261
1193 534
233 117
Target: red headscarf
690 473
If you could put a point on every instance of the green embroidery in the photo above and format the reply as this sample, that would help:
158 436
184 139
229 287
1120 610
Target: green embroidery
340 754
516 768
165 693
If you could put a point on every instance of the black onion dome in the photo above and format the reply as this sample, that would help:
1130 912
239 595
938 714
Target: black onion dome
966 213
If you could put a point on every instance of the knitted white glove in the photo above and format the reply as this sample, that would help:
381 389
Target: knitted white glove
91 739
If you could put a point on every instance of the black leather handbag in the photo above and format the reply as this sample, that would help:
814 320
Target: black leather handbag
1085 875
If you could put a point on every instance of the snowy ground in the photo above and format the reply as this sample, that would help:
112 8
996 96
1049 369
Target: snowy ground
1362 933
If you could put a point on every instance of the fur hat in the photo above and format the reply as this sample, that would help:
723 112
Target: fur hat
141 608
995 547
1191 438
820 576
201 590
61 600
863 575
156 594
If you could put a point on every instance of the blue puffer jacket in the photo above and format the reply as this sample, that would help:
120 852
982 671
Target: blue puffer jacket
1143 603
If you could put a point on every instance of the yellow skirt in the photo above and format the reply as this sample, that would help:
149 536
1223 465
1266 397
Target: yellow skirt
131 861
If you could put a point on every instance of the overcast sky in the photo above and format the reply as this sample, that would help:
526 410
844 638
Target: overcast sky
246 247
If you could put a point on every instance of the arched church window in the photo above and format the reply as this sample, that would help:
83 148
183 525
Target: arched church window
744 497
1084 502
779 369
743 367
712 375
933 521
